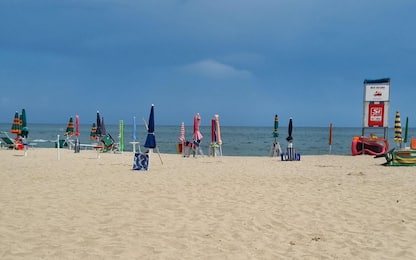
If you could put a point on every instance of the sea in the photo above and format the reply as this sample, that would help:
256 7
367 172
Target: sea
236 140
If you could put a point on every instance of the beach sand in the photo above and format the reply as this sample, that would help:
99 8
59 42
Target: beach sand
322 207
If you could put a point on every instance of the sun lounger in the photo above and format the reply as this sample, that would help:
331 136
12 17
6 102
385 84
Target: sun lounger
8 142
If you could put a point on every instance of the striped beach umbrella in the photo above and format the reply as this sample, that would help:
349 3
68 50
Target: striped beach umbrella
397 129
17 125
182 133
77 133
93 132
276 127
70 127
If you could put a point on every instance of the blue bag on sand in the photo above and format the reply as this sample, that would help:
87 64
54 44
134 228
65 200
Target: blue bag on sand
141 162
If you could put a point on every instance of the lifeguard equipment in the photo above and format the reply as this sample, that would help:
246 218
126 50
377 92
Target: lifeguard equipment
366 145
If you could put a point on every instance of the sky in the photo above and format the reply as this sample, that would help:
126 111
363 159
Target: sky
244 60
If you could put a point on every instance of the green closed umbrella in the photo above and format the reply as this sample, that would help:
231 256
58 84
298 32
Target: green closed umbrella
25 130
406 130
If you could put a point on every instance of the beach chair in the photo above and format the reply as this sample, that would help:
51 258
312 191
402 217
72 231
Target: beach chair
108 144
8 142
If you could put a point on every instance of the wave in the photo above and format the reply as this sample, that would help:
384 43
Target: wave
41 141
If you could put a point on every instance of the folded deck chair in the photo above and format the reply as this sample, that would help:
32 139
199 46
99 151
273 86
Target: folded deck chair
9 143
109 144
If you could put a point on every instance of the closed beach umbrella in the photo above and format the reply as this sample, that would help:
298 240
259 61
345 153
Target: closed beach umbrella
150 139
93 132
77 133
276 127
218 129
406 130
103 129
213 136
397 129
16 126
98 120
25 130
70 127
330 137
289 131
197 123
121 135
134 137
182 133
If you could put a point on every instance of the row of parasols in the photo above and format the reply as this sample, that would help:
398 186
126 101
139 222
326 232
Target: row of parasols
98 130
216 141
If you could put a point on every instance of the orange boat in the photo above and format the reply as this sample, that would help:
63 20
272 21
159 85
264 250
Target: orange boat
369 145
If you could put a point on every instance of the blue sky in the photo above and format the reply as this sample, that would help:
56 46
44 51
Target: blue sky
243 60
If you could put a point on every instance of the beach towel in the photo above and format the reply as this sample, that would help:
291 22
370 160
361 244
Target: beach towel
141 162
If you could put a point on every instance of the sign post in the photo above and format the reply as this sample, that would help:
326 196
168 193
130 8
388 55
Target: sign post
376 104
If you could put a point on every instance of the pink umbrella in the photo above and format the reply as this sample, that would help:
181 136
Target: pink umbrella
77 146
197 136
77 125
182 136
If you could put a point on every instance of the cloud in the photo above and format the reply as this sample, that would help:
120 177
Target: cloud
214 69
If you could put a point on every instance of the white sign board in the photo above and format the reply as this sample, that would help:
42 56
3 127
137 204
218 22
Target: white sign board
377 92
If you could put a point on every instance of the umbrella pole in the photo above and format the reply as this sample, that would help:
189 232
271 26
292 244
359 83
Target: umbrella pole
158 152
58 151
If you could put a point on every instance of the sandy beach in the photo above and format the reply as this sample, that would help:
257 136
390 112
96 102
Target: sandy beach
322 207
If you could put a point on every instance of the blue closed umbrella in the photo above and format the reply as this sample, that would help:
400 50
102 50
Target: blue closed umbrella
289 130
150 139
134 129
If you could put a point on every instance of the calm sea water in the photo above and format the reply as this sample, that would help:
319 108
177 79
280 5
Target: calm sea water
237 141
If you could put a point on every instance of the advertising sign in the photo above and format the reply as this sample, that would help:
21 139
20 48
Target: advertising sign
375 115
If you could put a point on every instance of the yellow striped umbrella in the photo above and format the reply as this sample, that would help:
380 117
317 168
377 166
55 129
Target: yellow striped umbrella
397 129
